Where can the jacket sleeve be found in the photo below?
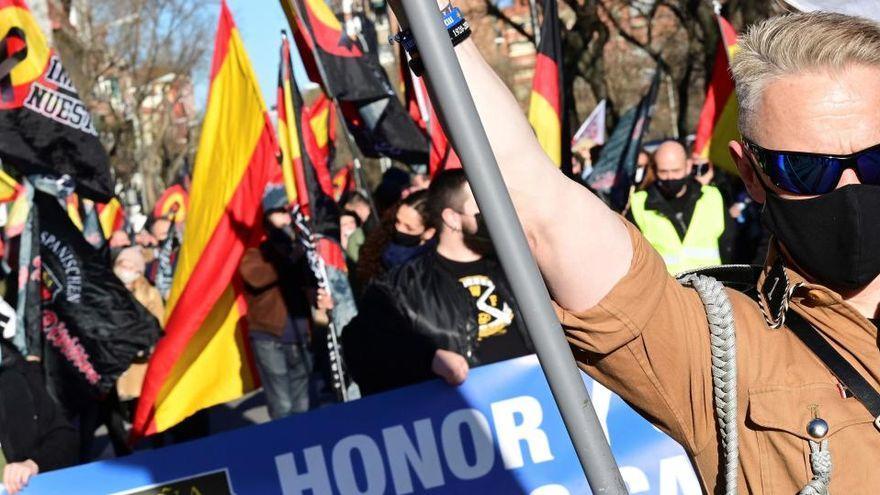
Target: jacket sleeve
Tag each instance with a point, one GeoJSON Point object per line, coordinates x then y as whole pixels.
{"type": "Point", "coordinates": [256, 271]}
{"type": "Point", "coordinates": [648, 341]}
{"type": "Point", "coordinates": [381, 349]}
{"type": "Point", "coordinates": [58, 444]}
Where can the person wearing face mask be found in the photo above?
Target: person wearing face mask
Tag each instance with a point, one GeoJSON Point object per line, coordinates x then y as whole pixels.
{"type": "Point", "coordinates": [441, 313]}
{"type": "Point", "coordinates": [412, 234]}
{"type": "Point", "coordinates": [684, 219]}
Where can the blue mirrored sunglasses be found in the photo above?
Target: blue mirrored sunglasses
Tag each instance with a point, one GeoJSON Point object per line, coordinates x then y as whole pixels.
{"type": "Point", "coordinates": [812, 173]}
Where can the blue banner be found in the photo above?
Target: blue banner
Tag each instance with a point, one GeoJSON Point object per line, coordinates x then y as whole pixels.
{"type": "Point", "coordinates": [500, 432]}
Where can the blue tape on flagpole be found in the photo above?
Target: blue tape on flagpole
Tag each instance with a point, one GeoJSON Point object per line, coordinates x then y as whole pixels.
{"type": "Point", "coordinates": [500, 432]}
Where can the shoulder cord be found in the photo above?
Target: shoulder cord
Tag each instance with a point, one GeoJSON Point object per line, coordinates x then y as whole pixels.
{"type": "Point", "coordinates": [722, 338]}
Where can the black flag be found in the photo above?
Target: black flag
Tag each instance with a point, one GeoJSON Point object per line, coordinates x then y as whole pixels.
{"type": "Point", "coordinates": [373, 113]}
{"type": "Point", "coordinates": [89, 316]}
{"type": "Point", "coordinates": [44, 126]}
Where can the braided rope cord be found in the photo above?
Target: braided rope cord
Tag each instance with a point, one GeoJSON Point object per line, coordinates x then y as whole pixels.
{"type": "Point", "coordinates": [722, 338]}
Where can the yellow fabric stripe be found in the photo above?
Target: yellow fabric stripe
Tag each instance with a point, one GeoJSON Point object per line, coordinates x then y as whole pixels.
{"type": "Point", "coordinates": [7, 187]}
{"type": "Point", "coordinates": [233, 124]}
{"type": "Point", "coordinates": [319, 125]}
{"type": "Point", "coordinates": [289, 142]}
{"type": "Point", "coordinates": [323, 13]}
{"type": "Point", "coordinates": [212, 370]}
{"type": "Point", "coordinates": [108, 216]}
{"type": "Point", "coordinates": [544, 120]}
{"type": "Point", "coordinates": [726, 130]}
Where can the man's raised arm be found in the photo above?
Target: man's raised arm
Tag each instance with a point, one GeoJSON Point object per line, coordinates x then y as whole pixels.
{"type": "Point", "coordinates": [581, 246]}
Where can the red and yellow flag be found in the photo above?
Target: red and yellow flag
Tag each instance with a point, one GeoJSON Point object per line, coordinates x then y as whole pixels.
{"type": "Point", "coordinates": [545, 106]}
{"type": "Point", "coordinates": [718, 119]}
{"type": "Point", "coordinates": [203, 358]}
{"type": "Point", "coordinates": [289, 139]}
{"type": "Point", "coordinates": [174, 200]}
{"type": "Point", "coordinates": [112, 217]}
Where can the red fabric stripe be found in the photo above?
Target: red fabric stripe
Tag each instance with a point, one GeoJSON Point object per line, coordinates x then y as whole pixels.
{"type": "Point", "coordinates": [330, 39]}
{"type": "Point", "coordinates": [221, 43]}
{"type": "Point", "coordinates": [721, 89]}
{"type": "Point", "coordinates": [331, 252]}
{"type": "Point", "coordinates": [238, 229]}
{"type": "Point", "coordinates": [320, 157]}
{"type": "Point", "coordinates": [546, 81]}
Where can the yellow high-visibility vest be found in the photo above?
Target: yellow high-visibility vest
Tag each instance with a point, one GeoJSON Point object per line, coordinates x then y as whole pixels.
{"type": "Point", "coordinates": [699, 248]}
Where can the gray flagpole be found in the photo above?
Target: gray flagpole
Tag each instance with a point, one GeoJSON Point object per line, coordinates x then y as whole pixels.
{"type": "Point", "coordinates": [466, 131]}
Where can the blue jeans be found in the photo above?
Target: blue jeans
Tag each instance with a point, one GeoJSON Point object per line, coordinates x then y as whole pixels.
{"type": "Point", "coordinates": [285, 370]}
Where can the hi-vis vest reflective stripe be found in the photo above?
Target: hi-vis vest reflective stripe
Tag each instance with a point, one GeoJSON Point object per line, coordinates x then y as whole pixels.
{"type": "Point", "coordinates": [700, 246]}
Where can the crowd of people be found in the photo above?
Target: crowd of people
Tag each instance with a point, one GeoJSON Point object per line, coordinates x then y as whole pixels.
{"type": "Point", "coordinates": [429, 299]}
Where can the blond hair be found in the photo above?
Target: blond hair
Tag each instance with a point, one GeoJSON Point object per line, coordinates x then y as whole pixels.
{"type": "Point", "coordinates": [797, 43]}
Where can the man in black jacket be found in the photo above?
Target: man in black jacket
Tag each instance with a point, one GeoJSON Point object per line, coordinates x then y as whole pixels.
{"type": "Point", "coordinates": [34, 435]}
{"type": "Point", "coordinates": [441, 313]}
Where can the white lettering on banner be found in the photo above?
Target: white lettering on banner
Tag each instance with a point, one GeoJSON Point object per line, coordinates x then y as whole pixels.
{"type": "Point", "coordinates": [601, 398]}
{"type": "Point", "coordinates": [635, 479]}
{"type": "Point", "coordinates": [343, 465]}
{"type": "Point", "coordinates": [676, 472]}
{"type": "Point", "coordinates": [315, 477]}
{"type": "Point", "coordinates": [453, 443]}
{"type": "Point", "coordinates": [550, 490]}
{"type": "Point", "coordinates": [510, 434]}
{"type": "Point", "coordinates": [468, 450]}
{"type": "Point", "coordinates": [402, 454]}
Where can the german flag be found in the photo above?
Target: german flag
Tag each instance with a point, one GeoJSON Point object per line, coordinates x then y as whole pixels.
{"type": "Point", "coordinates": [546, 105]}
{"type": "Point", "coordinates": [203, 358]}
{"type": "Point", "coordinates": [174, 200]}
{"type": "Point", "coordinates": [112, 217]}
{"type": "Point", "coordinates": [289, 133]}
{"type": "Point", "coordinates": [308, 184]}
{"type": "Point", "coordinates": [718, 119]}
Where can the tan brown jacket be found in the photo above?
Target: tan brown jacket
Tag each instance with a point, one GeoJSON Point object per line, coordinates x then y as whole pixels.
{"type": "Point", "coordinates": [648, 341]}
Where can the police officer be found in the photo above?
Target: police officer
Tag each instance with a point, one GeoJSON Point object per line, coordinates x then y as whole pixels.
{"type": "Point", "coordinates": [808, 87]}
{"type": "Point", "coordinates": [684, 220]}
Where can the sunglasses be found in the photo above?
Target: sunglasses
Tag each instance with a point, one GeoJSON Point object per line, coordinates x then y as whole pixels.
{"type": "Point", "coordinates": [814, 173]}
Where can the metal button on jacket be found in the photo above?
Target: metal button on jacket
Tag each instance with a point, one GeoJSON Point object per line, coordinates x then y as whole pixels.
{"type": "Point", "coordinates": [817, 428]}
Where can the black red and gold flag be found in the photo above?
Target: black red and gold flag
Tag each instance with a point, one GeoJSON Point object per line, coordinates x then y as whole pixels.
{"type": "Point", "coordinates": [546, 106]}
{"type": "Point", "coordinates": [45, 128]}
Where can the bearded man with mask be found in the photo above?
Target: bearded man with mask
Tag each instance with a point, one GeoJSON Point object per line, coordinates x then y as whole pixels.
{"type": "Point", "coordinates": [684, 220]}
{"type": "Point", "coordinates": [442, 312]}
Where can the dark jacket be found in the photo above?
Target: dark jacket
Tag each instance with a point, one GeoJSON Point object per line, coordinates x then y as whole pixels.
{"type": "Point", "coordinates": [405, 316]}
{"type": "Point", "coordinates": [32, 424]}
{"type": "Point", "coordinates": [271, 297]}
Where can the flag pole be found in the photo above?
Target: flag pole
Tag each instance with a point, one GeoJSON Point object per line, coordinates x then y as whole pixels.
{"type": "Point", "coordinates": [291, 11]}
{"type": "Point", "coordinates": [454, 101]}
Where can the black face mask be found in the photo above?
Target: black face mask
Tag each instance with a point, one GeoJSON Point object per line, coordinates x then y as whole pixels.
{"type": "Point", "coordinates": [669, 188]}
{"type": "Point", "coordinates": [834, 237]}
{"type": "Point", "coordinates": [406, 240]}
{"type": "Point", "coordinates": [479, 241]}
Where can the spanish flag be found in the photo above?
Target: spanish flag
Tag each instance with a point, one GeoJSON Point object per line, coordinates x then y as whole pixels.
{"type": "Point", "coordinates": [718, 119]}
{"type": "Point", "coordinates": [203, 358]}
{"type": "Point", "coordinates": [173, 201]}
{"type": "Point", "coordinates": [112, 217]}
{"type": "Point", "coordinates": [546, 105]}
